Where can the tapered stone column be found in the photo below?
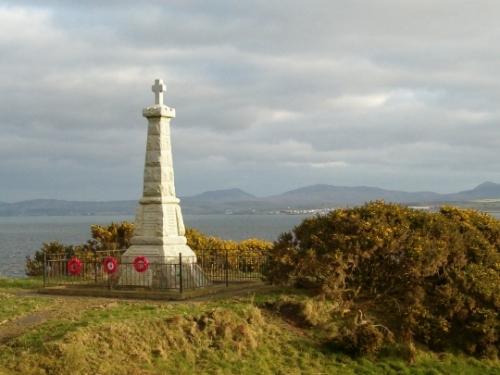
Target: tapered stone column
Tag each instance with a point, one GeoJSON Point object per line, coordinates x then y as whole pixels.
{"type": "Point", "coordinates": [159, 228]}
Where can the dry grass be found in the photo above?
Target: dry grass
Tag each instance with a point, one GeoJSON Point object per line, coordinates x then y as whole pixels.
{"type": "Point", "coordinates": [132, 345]}
{"type": "Point", "coordinates": [13, 306]}
{"type": "Point", "coordinates": [245, 336]}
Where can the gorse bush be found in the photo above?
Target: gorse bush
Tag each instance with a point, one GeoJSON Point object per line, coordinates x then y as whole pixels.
{"type": "Point", "coordinates": [117, 236]}
{"type": "Point", "coordinates": [435, 274]}
{"type": "Point", "coordinates": [111, 237]}
{"type": "Point", "coordinates": [114, 236]}
{"type": "Point", "coordinates": [200, 242]}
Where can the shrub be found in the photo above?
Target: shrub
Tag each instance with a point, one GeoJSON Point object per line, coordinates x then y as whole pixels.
{"type": "Point", "coordinates": [112, 237]}
{"type": "Point", "coordinates": [117, 236]}
{"type": "Point", "coordinates": [436, 273]}
{"type": "Point", "coordinates": [210, 245]}
{"type": "Point", "coordinates": [34, 267]}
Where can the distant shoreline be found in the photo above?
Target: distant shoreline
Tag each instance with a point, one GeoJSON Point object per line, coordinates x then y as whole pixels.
{"type": "Point", "coordinates": [288, 212]}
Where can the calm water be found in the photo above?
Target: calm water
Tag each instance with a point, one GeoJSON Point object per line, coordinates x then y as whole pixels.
{"type": "Point", "coordinates": [22, 236]}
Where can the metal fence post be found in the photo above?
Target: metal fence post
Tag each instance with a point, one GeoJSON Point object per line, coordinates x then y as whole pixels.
{"type": "Point", "coordinates": [95, 267]}
{"type": "Point", "coordinates": [226, 266]}
{"type": "Point", "coordinates": [44, 269]}
{"type": "Point", "coordinates": [202, 258]}
{"type": "Point", "coordinates": [180, 273]}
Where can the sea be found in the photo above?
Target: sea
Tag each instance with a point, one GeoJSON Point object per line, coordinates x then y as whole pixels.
{"type": "Point", "coordinates": [21, 236]}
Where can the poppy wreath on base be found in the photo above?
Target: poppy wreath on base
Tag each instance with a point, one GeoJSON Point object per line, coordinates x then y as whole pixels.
{"type": "Point", "coordinates": [141, 264]}
{"type": "Point", "coordinates": [110, 265]}
{"type": "Point", "coordinates": [74, 266]}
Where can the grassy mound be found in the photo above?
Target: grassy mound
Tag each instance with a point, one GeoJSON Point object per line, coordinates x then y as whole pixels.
{"type": "Point", "coordinates": [431, 278]}
{"type": "Point", "coordinates": [132, 345]}
{"type": "Point", "coordinates": [245, 335]}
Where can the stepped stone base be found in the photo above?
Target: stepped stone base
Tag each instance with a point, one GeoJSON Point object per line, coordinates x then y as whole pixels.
{"type": "Point", "coordinates": [164, 270]}
{"type": "Point", "coordinates": [130, 277]}
{"type": "Point", "coordinates": [164, 276]}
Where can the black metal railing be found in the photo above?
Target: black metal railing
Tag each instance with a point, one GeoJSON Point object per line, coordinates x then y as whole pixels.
{"type": "Point", "coordinates": [225, 266]}
{"type": "Point", "coordinates": [173, 273]}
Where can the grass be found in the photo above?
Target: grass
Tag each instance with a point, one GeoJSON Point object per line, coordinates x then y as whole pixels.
{"type": "Point", "coordinates": [224, 336]}
{"type": "Point", "coordinates": [12, 306]}
{"type": "Point", "coordinates": [21, 283]}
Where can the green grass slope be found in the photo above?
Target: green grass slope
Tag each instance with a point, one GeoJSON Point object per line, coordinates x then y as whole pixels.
{"type": "Point", "coordinates": [244, 335]}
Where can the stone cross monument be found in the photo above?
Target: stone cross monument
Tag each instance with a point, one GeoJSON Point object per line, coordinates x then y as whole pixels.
{"type": "Point", "coordinates": [159, 228]}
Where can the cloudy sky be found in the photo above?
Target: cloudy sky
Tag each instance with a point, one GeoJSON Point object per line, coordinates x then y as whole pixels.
{"type": "Point", "coordinates": [270, 95]}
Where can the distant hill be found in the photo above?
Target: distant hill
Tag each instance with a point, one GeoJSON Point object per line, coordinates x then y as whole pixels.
{"type": "Point", "coordinates": [239, 201]}
{"type": "Point", "coordinates": [228, 195]}
{"type": "Point", "coordinates": [219, 201]}
{"type": "Point", "coordinates": [327, 195]}
{"type": "Point", "coordinates": [486, 190]}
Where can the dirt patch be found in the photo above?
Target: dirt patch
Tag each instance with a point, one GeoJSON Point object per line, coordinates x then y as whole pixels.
{"type": "Point", "coordinates": [62, 307]}
{"type": "Point", "coordinates": [14, 328]}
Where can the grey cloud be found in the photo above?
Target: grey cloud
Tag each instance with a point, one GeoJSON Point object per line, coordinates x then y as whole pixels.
{"type": "Point", "coordinates": [389, 93]}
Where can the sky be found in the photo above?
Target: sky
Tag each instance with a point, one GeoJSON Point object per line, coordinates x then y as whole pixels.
{"type": "Point", "coordinates": [269, 95]}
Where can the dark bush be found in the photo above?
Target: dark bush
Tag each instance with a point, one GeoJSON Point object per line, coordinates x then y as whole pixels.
{"type": "Point", "coordinates": [111, 237]}
{"type": "Point", "coordinates": [435, 274]}
{"type": "Point", "coordinates": [34, 266]}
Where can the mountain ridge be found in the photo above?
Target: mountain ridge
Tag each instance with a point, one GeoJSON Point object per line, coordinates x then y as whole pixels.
{"type": "Point", "coordinates": [236, 200]}
{"type": "Point", "coordinates": [223, 195]}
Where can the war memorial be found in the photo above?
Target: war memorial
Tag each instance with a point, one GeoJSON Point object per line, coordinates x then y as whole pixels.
{"type": "Point", "coordinates": [159, 227]}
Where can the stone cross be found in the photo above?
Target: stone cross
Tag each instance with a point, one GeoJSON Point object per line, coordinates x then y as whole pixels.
{"type": "Point", "coordinates": [159, 88]}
